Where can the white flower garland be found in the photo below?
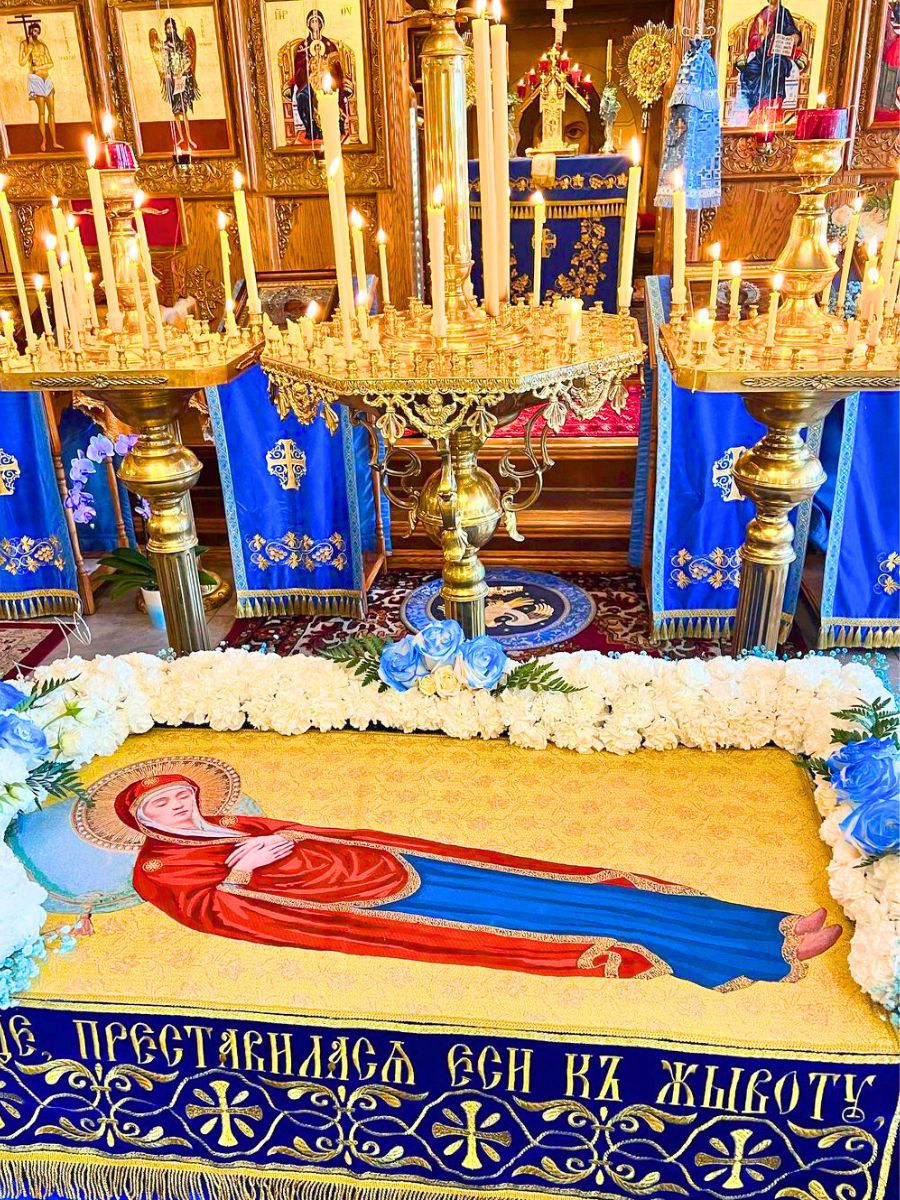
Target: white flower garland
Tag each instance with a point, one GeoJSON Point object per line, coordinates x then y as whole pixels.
{"type": "Point", "coordinates": [625, 703]}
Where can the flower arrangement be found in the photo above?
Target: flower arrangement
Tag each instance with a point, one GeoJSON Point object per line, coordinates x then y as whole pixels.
{"type": "Point", "coordinates": [440, 660]}
{"type": "Point", "coordinates": [32, 725]}
{"type": "Point", "coordinates": [100, 450]}
{"type": "Point", "coordinates": [617, 704]}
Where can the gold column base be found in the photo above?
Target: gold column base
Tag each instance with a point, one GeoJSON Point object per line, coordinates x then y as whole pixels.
{"type": "Point", "coordinates": [777, 474]}
{"type": "Point", "coordinates": [162, 470]}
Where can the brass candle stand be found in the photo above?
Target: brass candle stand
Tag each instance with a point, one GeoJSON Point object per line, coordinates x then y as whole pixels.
{"type": "Point", "coordinates": [457, 389]}
{"type": "Point", "coordinates": [815, 359]}
{"type": "Point", "coordinates": [147, 388]}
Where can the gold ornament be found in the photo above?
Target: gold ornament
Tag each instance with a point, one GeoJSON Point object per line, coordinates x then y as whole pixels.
{"type": "Point", "coordinates": [645, 60]}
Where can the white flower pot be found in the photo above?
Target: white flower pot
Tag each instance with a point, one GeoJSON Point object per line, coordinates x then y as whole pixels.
{"type": "Point", "coordinates": [153, 604]}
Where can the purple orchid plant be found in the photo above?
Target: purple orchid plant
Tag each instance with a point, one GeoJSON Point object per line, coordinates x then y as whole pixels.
{"type": "Point", "coordinates": [79, 501]}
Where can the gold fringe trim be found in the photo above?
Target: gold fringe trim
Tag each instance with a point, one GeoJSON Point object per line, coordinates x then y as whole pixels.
{"type": "Point", "coordinates": [26, 606]}
{"type": "Point", "coordinates": [563, 210]}
{"type": "Point", "coordinates": [40, 1177]}
{"type": "Point", "coordinates": [349, 604]}
{"type": "Point", "coordinates": [863, 636]}
{"type": "Point", "coordinates": [711, 628]}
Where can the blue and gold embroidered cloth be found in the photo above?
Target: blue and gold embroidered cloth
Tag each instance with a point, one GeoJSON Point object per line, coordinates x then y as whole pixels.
{"type": "Point", "coordinates": [37, 567]}
{"type": "Point", "coordinates": [585, 206]}
{"type": "Point", "coordinates": [696, 514]}
{"type": "Point", "coordinates": [292, 496]}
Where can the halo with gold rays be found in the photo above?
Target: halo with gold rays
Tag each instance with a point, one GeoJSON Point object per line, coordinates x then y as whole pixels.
{"type": "Point", "coordinates": [96, 821]}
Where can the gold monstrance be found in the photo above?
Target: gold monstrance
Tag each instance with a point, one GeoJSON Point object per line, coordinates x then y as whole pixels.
{"type": "Point", "coordinates": [790, 365]}
{"type": "Point", "coordinates": [454, 371]}
{"type": "Point", "coordinates": [145, 371]}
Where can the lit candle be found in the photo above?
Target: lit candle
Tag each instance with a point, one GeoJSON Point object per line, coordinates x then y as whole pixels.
{"type": "Point", "coordinates": [230, 323]}
{"type": "Point", "coordinates": [147, 266]}
{"type": "Point", "coordinates": [540, 216]}
{"type": "Point", "coordinates": [68, 285]}
{"type": "Point", "coordinates": [59, 220]}
{"type": "Point", "coordinates": [42, 303]}
{"type": "Point", "coordinates": [701, 327]}
{"type": "Point", "coordinates": [362, 315]}
{"type": "Point", "coordinates": [381, 239]}
{"type": "Point", "coordinates": [357, 224]}
{"type": "Point", "coordinates": [573, 321]}
{"type": "Point", "coordinates": [7, 328]}
{"type": "Point", "coordinates": [340, 233]}
{"type": "Point", "coordinates": [849, 247]}
{"type": "Point", "coordinates": [679, 239]}
{"type": "Point", "coordinates": [56, 291]}
{"type": "Point", "coordinates": [734, 293]}
{"type": "Point", "coordinates": [893, 287]}
{"type": "Point", "coordinates": [436, 250]}
{"type": "Point", "coordinates": [134, 255]}
{"type": "Point", "coordinates": [889, 245]}
{"type": "Point", "coordinates": [500, 92]}
{"type": "Point", "coordinates": [609, 48]}
{"type": "Point", "coordinates": [871, 298]}
{"type": "Point", "coordinates": [873, 331]}
{"type": "Point", "coordinates": [98, 209]}
{"type": "Point", "coordinates": [12, 249]}
{"type": "Point", "coordinates": [481, 53]}
{"type": "Point", "coordinates": [774, 298]}
{"type": "Point", "coordinates": [308, 324]}
{"type": "Point", "coordinates": [871, 257]}
{"type": "Point", "coordinates": [715, 252]}
{"type": "Point", "coordinates": [91, 302]}
{"type": "Point", "coordinates": [73, 242]}
{"type": "Point", "coordinates": [629, 227]}
{"type": "Point", "coordinates": [243, 225]}
{"type": "Point", "coordinates": [225, 251]}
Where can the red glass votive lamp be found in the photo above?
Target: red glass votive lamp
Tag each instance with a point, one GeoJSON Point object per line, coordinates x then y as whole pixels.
{"type": "Point", "coordinates": [521, 89]}
{"type": "Point", "coordinates": [532, 76]}
{"type": "Point", "coordinates": [544, 66]}
{"type": "Point", "coordinates": [587, 84]}
{"type": "Point", "coordinates": [564, 61]}
{"type": "Point", "coordinates": [575, 74]}
{"type": "Point", "coordinates": [116, 156]}
{"type": "Point", "coordinates": [818, 124]}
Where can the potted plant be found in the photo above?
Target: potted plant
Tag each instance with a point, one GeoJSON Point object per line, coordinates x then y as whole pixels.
{"type": "Point", "coordinates": [130, 570]}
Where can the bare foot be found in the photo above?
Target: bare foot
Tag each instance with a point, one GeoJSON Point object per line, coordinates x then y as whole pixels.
{"type": "Point", "coordinates": [813, 944]}
{"type": "Point", "coordinates": [812, 922]}
{"type": "Point", "coordinates": [58, 146]}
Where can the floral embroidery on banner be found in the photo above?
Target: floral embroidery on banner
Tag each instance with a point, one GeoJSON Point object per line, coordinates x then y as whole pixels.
{"type": "Point", "coordinates": [888, 581]}
{"type": "Point", "coordinates": [719, 568]}
{"type": "Point", "coordinates": [298, 550]}
{"type": "Point", "coordinates": [30, 554]}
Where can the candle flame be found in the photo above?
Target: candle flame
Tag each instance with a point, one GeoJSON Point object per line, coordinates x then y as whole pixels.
{"type": "Point", "coordinates": [327, 82]}
{"type": "Point", "coordinates": [677, 179]}
{"type": "Point", "coordinates": [703, 315]}
{"type": "Point", "coordinates": [4, 315]}
{"type": "Point", "coordinates": [90, 147]}
{"type": "Point", "coordinates": [736, 269]}
{"type": "Point", "coordinates": [313, 310]}
{"type": "Point", "coordinates": [873, 274]}
{"type": "Point", "coordinates": [71, 223]}
{"type": "Point", "coordinates": [54, 200]}
{"type": "Point", "coordinates": [107, 125]}
{"type": "Point", "coordinates": [834, 247]}
{"type": "Point", "coordinates": [89, 277]}
{"type": "Point", "coordinates": [139, 198]}
{"type": "Point", "coordinates": [237, 180]}
{"type": "Point", "coordinates": [63, 258]}
{"type": "Point", "coordinates": [229, 305]}
{"type": "Point", "coordinates": [334, 167]}
{"type": "Point", "coordinates": [381, 237]}
{"type": "Point", "coordinates": [4, 179]}
{"type": "Point", "coordinates": [480, 7]}
{"type": "Point", "coordinates": [715, 251]}
{"type": "Point", "coordinates": [822, 99]}
{"type": "Point", "coordinates": [222, 220]}
{"type": "Point", "coordinates": [857, 204]}
{"type": "Point", "coordinates": [777, 281]}
{"type": "Point", "coordinates": [537, 198]}
{"type": "Point", "coordinates": [872, 247]}
{"type": "Point", "coordinates": [437, 197]}
{"type": "Point", "coordinates": [634, 151]}
{"type": "Point", "coordinates": [49, 242]}
{"type": "Point", "coordinates": [356, 219]}
{"type": "Point", "coordinates": [133, 251]}
{"type": "Point", "coordinates": [38, 283]}
{"type": "Point", "coordinates": [362, 299]}
{"type": "Point", "coordinates": [497, 11]}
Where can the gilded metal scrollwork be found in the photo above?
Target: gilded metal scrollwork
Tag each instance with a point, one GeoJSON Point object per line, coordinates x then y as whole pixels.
{"type": "Point", "coordinates": [534, 473]}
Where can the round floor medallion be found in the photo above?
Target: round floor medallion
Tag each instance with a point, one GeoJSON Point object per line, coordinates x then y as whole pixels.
{"type": "Point", "coordinates": [526, 610]}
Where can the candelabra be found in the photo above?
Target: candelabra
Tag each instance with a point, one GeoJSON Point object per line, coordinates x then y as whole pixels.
{"type": "Point", "coordinates": [454, 371]}
{"type": "Point", "coordinates": [144, 371]}
{"type": "Point", "coordinates": [790, 364]}
{"type": "Point", "coordinates": [554, 79]}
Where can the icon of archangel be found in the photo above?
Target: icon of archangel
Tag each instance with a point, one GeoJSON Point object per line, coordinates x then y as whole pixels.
{"type": "Point", "coordinates": [200, 852]}
{"type": "Point", "coordinates": [176, 61]}
{"type": "Point", "coordinates": [304, 65]}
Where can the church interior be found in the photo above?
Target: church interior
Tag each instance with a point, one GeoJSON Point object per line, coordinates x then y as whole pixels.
{"type": "Point", "coordinates": [449, 599]}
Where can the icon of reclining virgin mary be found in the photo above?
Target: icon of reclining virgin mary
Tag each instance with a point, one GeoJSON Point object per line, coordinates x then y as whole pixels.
{"type": "Point", "coordinates": [277, 882]}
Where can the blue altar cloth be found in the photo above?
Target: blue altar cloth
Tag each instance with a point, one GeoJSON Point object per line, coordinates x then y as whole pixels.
{"type": "Point", "coordinates": [697, 515]}
{"type": "Point", "coordinates": [585, 206]}
{"type": "Point", "coordinates": [37, 567]}
{"type": "Point", "coordinates": [298, 504]}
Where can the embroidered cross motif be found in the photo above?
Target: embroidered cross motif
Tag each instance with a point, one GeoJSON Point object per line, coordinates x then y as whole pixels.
{"type": "Point", "coordinates": [9, 473]}
{"type": "Point", "coordinates": [723, 473]}
{"type": "Point", "coordinates": [287, 462]}
{"type": "Point", "coordinates": [219, 1110]}
{"type": "Point", "coordinates": [734, 1164]}
{"type": "Point", "coordinates": [466, 1133]}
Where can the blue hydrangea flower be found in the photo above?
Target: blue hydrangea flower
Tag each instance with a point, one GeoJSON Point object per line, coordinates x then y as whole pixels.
{"type": "Point", "coordinates": [10, 696]}
{"type": "Point", "coordinates": [402, 664]}
{"type": "Point", "coordinates": [23, 737]}
{"type": "Point", "coordinates": [483, 662]}
{"type": "Point", "coordinates": [440, 642]}
{"type": "Point", "coordinates": [866, 770]}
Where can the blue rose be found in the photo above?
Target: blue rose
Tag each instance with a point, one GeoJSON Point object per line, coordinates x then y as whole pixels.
{"type": "Point", "coordinates": [10, 696]}
{"type": "Point", "coordinates": [866, 770]}
{"type": "Point", "coordinates": [874, 825]}
{"type": "Point", "coordinates": [483, 662]}
{"type": "Point", "coordinates": [440, 642]}
{"type": "Point", "coordinates": [23, 737]}
{"type": "Point", "coordinates": [402, 664]}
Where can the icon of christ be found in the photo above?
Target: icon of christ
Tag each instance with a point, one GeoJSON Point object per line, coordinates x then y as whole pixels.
{"type": "Point", "coordinates": [363, 892]}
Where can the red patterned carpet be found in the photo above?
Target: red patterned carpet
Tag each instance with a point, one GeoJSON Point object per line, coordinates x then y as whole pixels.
{"type": "Point", "coordinates": [24, 644]}
{"type": "Point", "coordinates": [621, 622]}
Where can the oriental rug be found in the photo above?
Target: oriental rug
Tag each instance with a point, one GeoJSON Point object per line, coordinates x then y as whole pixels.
{"type": "Point", "coordinates": [620, 622]}
{"type": "Point", "coordinates": [23, 645]}
{"type": "Point", "coordinates": [464, 968]}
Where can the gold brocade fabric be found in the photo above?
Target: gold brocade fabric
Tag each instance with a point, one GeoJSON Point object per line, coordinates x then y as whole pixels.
{"type": "Point", "coordinates": [739, 825]}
